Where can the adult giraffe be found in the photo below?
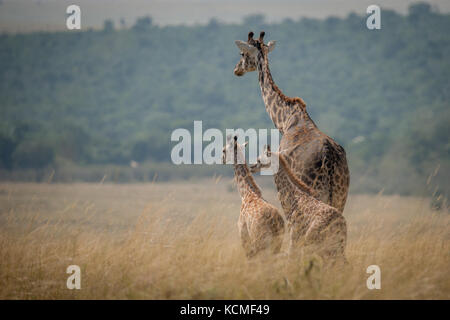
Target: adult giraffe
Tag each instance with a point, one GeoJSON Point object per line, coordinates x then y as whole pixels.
{"type": "Point", "coordinates": [313, 156]}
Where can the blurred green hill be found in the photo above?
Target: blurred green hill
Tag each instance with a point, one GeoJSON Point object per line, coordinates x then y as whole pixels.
{"type": "Point", "coordinates": [103, 98]}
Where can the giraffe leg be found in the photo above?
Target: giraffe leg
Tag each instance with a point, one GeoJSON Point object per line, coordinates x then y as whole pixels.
{"type": "Point", "coordinates": [245, 239]}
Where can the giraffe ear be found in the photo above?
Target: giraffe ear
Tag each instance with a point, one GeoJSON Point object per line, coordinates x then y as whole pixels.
{"type": "Point", "coordinates": [245, 47]}
{"type": "Point", "coordinates": [271, 45]}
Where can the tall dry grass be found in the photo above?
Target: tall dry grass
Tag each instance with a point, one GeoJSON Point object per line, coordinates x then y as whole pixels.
{"type": "Point", "coordinates": [180, 241]}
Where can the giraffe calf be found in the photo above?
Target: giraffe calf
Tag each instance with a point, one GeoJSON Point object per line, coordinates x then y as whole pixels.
{"type": "Point", "coordinates": [261, 227]}
{"type": "Point", "coordinates": [313, 225]}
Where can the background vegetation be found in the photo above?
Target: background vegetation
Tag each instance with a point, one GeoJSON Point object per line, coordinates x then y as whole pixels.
{"type": "Point", "coordinates": [82, 105]}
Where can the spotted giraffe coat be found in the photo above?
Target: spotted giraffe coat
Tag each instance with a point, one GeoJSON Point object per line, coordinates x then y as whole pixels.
{"type": "Point", "coordinates": [312, 224]}
{"type": "Point", "coordinates": [260, 225]}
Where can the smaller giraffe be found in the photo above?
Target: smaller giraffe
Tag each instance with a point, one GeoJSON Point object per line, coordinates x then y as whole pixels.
{"type": "Point", "coordinates": [312, 224]}
{"type": "Point", "coordinates": [261, 226]}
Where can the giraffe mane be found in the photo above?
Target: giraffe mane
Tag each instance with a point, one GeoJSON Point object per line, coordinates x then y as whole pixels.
{"type": "Point", "coordinates": [289, 100]}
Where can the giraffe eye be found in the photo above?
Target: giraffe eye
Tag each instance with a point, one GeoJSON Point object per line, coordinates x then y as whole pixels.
{"type": "Point", "coordinates": [242, 54]}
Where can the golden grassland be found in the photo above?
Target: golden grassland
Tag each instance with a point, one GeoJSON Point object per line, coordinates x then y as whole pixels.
{"type": "Point", "coordinates": [180, 241]}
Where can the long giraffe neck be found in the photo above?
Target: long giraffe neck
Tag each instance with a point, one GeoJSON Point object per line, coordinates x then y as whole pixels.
{"type": "Point", "coordinates": [288, 184]}
{"type": "Point", "coordinates": [279, 107]}
{"type": "Point", "coordinates": [246, 185]}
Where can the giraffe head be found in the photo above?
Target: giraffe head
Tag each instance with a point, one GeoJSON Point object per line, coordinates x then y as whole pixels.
{"type": "Point", "coordinates": [249, 53]}
{"type": "Point", "coordinates": [233, 151]}
{"type": "Point", "coordinates": [264, 160]}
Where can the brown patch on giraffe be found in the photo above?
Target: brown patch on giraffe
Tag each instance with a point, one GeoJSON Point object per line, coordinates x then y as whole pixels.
{"type": "Point", "coordinates": [299, 183]}
{"type": "Point", "coordinates": [271, 98]}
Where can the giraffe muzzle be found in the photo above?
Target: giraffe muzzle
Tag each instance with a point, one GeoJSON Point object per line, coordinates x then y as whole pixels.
{"type": "Point", "coordinates": [254, 168]}
{"type": "Point", "coordinates": [238, 72]}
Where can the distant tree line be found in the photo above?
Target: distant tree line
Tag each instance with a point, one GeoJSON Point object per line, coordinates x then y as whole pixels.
{"type": "Point", "coordinates": [115, 95]}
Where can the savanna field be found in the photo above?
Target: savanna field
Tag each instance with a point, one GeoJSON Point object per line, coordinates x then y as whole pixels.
{"type": "Point", "coordinates": [179, 240]}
